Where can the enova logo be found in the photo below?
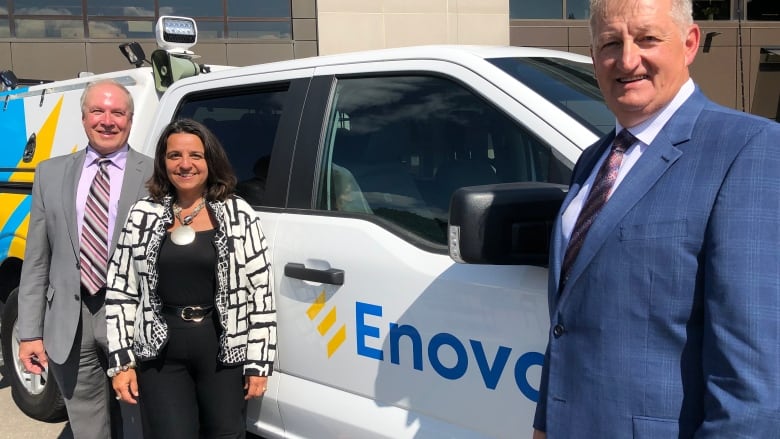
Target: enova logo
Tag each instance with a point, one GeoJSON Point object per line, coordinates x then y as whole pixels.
{"type": "Point", "coordinates": [326, 323]}
{"type": "Point", "coordinates": [470, 354]}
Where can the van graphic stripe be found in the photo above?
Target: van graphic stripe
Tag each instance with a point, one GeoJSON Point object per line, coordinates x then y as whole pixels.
{"type": "Point", "coordinates": [317, 306]}
{"type": "Point", "coordinates": [337, 340]}
{"type": "Point", "coordinates": [12, 225]}
{"type": "Point", "coordinates": [327, 322]}
{"type": "Point", "coordinates": [14, 128]}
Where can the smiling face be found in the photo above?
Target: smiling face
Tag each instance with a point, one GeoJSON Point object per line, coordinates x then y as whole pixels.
{"type": "Point", "coordinates": [641, 56]}
{"type": "Point", "coordinates": [185, 164]}
{"type": "Point", "coordinates": [107, 118]}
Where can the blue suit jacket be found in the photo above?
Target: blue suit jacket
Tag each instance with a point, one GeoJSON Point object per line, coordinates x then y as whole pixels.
{"type": "Point", "coordinates": [669, 325]}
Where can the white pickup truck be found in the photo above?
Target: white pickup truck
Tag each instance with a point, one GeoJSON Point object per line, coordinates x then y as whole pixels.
{"type": "Point", "coordinates": [406, 308]}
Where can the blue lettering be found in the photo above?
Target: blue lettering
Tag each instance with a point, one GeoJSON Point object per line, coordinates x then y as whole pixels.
{"type": "Point", "coordinates": [491, 371]}
{"type": "Point", "coordinates": [490, 375]}
{"type": "Point", "coordinates": [396, 332]}
{"type": "Point", "coordinates": [451, 373]}
{"type": "Point", "coordinates": [362, 330]}
{"type": "Point", "coordinates": [524, 363]}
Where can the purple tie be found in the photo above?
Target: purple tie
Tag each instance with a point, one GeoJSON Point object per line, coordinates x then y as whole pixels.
{"type": "Point", "coordinates": [94, 232]}
{"type": "Point", "coordinates": [599, 194]}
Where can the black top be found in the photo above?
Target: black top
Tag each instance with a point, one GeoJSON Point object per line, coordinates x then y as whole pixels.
{"type": "Point", "coordinates": [187, 273]}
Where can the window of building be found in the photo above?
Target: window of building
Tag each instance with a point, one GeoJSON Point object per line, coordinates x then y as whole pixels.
{"type": "Point", "coordinates": [712, 9]}
{"type": "Point", "coordinates": [192, 8]}
{"type": "Point", "coordinates": [267, 19]}
{"type": "Point", "coordinates": [763, 10]}
{"type": "Point", "coordinates": [577, 9]}
{"type": "Point", "coordinates": [65, 29]}
{"type": "Point", "coordinates": [536, 9]}
{"type": "Point", "coordinates": [276, 30]}
{"type": "Point", "coordinates": [47, 7]}
{"type": "Point", "coordinates": [133, 8]}
{"type": "Point", "coordinates": [265, 8]}
{"type": "Point", "coordinates": [397, 147]}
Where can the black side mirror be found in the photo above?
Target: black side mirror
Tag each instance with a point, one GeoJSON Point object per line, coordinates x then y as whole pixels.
{"type": "Point", "coordinates": [10, 81]}
{"type": "Point", "coordinates": [504, 224]}
{"type": "Point", "coordinates": [134, 53]}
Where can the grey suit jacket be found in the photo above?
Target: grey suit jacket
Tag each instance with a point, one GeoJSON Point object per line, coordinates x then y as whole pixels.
{"type": "Point", "coordinates": [49, 291]}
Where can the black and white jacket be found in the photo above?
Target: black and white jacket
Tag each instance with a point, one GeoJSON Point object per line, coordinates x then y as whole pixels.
{"type": "Point", "coordinates": [136, 329]}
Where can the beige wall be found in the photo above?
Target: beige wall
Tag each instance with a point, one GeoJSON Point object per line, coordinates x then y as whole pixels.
{"type": "Point", "coordinates": [350, 25]}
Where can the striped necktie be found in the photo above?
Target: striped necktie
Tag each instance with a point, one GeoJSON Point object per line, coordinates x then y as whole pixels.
{"type": "Point", "coordinates": [599, 194]}
{"type": "Point", "coordinates": [94, 232]}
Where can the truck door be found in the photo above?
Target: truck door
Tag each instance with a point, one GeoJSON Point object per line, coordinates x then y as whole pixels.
{"type": "Point", "coordinates": [380, 333]}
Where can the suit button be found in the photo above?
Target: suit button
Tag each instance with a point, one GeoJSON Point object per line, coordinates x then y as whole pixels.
{"type": "Point", "coordinates": [77, 297]}
{"type": "Point", "coordinates": [558, 330]}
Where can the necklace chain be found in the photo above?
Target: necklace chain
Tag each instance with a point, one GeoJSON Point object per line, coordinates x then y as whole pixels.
{"type": "Point", "coordinates": [188, 219]}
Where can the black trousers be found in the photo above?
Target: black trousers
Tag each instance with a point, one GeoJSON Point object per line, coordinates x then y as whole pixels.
{"type": "Point", "coordinates": [185, 393]}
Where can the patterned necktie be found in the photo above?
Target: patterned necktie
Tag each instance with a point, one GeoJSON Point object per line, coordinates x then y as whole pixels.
{"type": "Point", "coordinates": [94, 232]}
{"type": "Point", "coordinates": [599, 194]}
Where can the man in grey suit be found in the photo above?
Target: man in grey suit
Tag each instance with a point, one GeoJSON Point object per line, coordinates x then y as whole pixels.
{"type": "Point", "coordinates": [62, 322]}
{"type": "Point", "coordinates": [664, 286]}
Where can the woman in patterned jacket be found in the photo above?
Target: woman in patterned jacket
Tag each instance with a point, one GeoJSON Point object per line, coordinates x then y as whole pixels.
{"type": "Point", "coordinates": [190, 314]}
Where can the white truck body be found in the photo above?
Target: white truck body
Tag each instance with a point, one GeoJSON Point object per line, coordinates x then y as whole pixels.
{"type": "Point", "coordinates": [406, 343]}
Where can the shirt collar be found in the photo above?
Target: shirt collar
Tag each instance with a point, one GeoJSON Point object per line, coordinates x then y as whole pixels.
{"type": "Point", "coordinates": [647, 131]}
{"type": "Point", "coordinates": [118, 158]}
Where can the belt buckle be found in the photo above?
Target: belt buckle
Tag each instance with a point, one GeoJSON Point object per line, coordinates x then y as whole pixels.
{"type": "Point", "coordinates": [187, 311]}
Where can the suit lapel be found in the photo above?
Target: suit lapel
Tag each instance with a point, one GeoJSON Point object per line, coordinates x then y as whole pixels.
{"type": "Point", "coordinates": [651, 166]}
{"type": "Point", "coordinates": [581, 173]}
{"type": "Point", "coordinates": [132, 184]}
{"type": "Point", "coordinates": [71, 176]}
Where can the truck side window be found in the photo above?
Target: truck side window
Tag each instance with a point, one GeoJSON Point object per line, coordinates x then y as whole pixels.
{"type": "Point", "coordinates": [245, 121]}
{"type": "Point", "coordinates": [397, 147]}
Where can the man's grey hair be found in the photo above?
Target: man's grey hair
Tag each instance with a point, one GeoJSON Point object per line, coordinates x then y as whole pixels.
{"type": "Point", "coordinates": [91, 85]}
{"type": "Point", "coordinates": [681, 13]}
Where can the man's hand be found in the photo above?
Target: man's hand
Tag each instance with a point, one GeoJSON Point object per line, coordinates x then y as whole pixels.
{"type": "Point", "coordinates": [254, 386]}
{"type": "Point", "coordinates": [125, 386]}
{"type": "Point", "coordinates": [33, 356]}
{"type": "Point", "coordinates": [539, 435]}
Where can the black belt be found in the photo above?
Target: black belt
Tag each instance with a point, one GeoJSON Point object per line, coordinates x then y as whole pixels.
{"type": "Point", "coordinates": [189, 313]}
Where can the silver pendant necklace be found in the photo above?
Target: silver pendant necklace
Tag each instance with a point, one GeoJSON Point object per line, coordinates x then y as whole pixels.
{"type": "Point", "coordinates": [185, 234]}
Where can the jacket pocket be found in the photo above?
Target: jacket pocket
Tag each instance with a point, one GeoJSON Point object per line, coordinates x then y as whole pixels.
{"type": "Point", "coordinates": [655, 428]}
{"type": "Point", "coordinates": [665, 229]}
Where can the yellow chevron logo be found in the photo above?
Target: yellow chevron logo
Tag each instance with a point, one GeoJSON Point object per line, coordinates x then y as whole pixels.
{"type": "Point", "coordinates": [326, 323]}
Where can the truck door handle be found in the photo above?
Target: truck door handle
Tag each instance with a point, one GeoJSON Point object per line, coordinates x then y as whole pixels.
{"type": "Point", "coordinates": [332, 276]}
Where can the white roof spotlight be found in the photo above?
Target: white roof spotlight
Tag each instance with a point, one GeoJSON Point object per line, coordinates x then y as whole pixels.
{"type": "Point", "coordinates": [176, 34]}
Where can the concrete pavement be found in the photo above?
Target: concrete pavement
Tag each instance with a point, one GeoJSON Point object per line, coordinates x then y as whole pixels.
{"type": "Point", "coordinates": [16, 425]}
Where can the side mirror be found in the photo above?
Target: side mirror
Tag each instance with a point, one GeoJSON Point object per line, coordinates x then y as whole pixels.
{"type": "Point", "coordinates": [134, 53]}
{"type": "Point", "coordinates": [9, 79]}
{"type": "Point", "coordinates": [170, 67]}
{"type": "Point", "coordinates": [503, 224]}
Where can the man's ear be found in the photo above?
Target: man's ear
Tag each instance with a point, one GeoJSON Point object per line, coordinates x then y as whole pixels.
{"type": "Point", "coordinates": [692, 39]}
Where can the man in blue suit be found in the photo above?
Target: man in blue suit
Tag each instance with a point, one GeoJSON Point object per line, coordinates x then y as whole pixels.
{"type": "Point", "coordinates": [665, 262]}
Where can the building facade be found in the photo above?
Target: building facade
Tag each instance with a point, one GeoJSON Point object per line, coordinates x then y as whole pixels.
{"type": "Point", "coordinates": [738, 64]}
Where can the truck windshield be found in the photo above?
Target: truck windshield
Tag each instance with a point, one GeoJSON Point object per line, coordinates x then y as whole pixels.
{"type": "Point", "coordinates": [569, 85]}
